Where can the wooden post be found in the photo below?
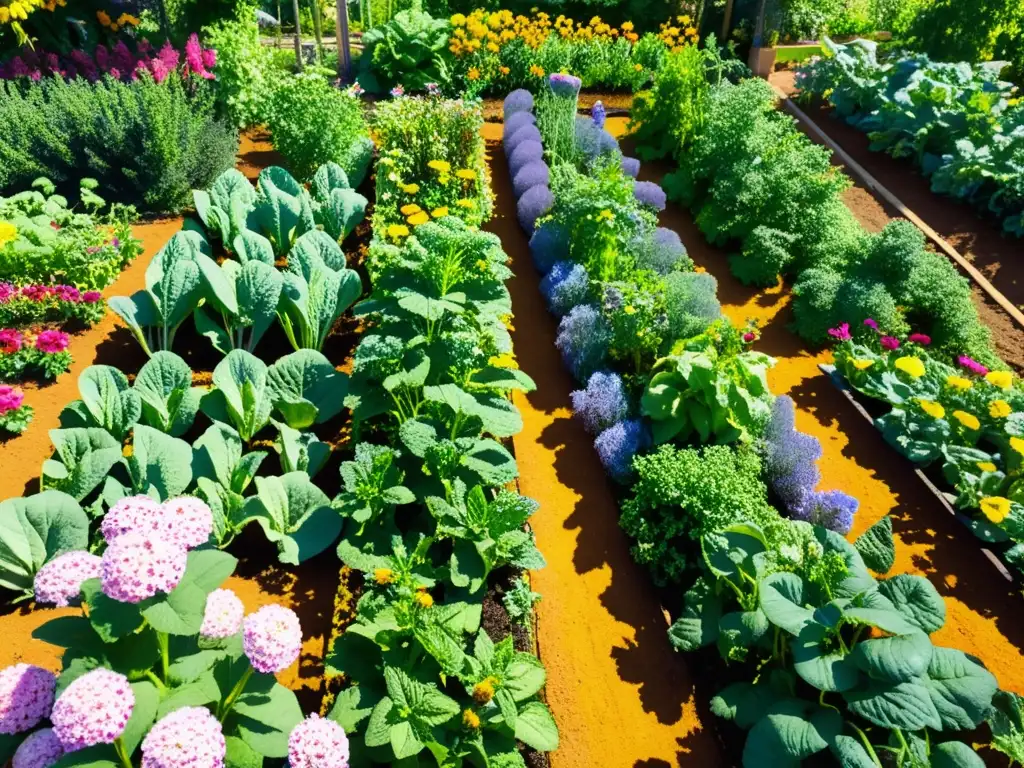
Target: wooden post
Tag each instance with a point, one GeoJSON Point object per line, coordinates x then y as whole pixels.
{"type": "Point", "coordinates": [315, 8]}
{"type": "Point", "coordinates": [344, 48]}
{"type": "Point", "coordinates": [726, 23]}
{"type": "Point", "coordinates": [299, 64]}
{"type": "Point", "coordinates": [279, 34]}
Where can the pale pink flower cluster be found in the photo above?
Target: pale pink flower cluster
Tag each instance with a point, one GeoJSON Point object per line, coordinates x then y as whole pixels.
{"type": "Point", "coordinates": [26, 696]}
{"type": "Point", "coordinates": [41, 749]}
{"type": "Point", "coordinates": [137, 566]}
{"type": "Point", "coordinates": [60, 580]}
{"type": "Point", "coordinates": [94, 709]}
{"type": "Point", "coordinates": [184, 521]}
{"type": "Point", "coordinates": [189, 737]}
{"type": "Point", "coordinates": [223, 615]}
{"type": "Point", "coordinates": [317, 743]}
{"type": "Point", "coordinates": [272, 638]}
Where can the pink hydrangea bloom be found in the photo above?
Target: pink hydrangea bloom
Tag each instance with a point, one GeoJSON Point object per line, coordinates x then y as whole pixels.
{"type": "Point", "coordinates": [132, 513]}
{"type": "Point", "coordinates": [136, 567]}
{"type": "Point", "coordinates": [189, 520]}
{"type": "Point", "coordinates": [11, 398]}
{"type": "Point", "coordinates": [890, 343]}
{"type": "Point", "coordinates": [317, 743]}
{"type": "Point", "coordinates": [94, 709]}
{"type": "Point", "coordinates": [26, 697]}
{"type": "Point", "coordinates": [91, 297]}
{"type": "Point", "coordinates": [10, 340]}
{"type": "Point", "coordinates": [223, 615]}
{"type": "Point", "coordinates": [272, 638]}
{"type": "Point", "coordinates": [972, 365]}
{"type": "Point", "coordinates": [871, 324]}
{"type": "Point", "coordinates": [920, 338]}
{"type": "Point", "coordinates": [842, 333]}
{"type": "Point", "coordinates": [52, 342]}
{"type": "Point", "coordinates": [189, 737]}
{"type": "Point", "coordinates": [60, 580]}
{"type": "Point", "coordinates": [41, 749]}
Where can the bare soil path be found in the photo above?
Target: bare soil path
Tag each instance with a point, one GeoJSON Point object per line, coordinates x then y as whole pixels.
{"type": "Point", "coordinates": [621, 696]}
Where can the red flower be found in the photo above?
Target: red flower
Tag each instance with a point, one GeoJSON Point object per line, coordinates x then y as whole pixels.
{"type": "Point", "coordinates": [52, 342]}
{"type": "Point", "coordinates": [10, 341]}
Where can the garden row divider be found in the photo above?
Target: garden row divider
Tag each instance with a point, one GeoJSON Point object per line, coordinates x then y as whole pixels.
{"type": "Point", "coordinates": [878, 188]}
{"type": "Point", "coordinates": [940, 497]}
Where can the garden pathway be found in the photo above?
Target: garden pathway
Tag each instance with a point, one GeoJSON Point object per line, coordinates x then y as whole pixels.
{"type": "Point", "coordinates": [982, 610]}
{"type": "Point", "coordinates": [621, 696]}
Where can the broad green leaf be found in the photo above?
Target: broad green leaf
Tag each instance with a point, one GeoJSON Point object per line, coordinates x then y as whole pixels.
{"type": "Point", "coordinates": [111, 619]}
{"type": "Point", "coordinates": [960, 689]}
{"type": "Point", "coordinates": [34, 530]}
{"type": "Point", "coordinates": [916, 600]}
{"type": "Point", "coordinates": [876, 546]}
{"type": "Point", "coordinates": [955, 754]}
{"type": "Point", "coordinates": [86, 457]}
{"type": "Point", "coordinates": [820, 663]}
{"type": "Point", "coordinates": [894, 705]}
{"type": "Point", "coordinates": [306, 389]}
{"type": "Point", "coordinates": [894, 659]}
{"type": "Point", "coordinates": [536, 728]}
{"type": "Point", "coordinates": [265, 719]}
{"type": "Point", "coordinates": [159, 464]}
{"type": "Point", "coordinates": [786, 736]}
{"type": "Point", "coordinates": [782, 597]}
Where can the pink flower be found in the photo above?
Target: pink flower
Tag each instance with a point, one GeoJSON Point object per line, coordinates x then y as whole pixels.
{"type": "Point", "coordinates": [52, 342]}
{"type": "Point", "coordinates": [189, 521]}
{"type": "Point", "coordinates": [26, 696]}
{"type": "Point", "coordinates": [223, 615]}
{"type": "Point", "coordinates": [41, 749]}
{"type": "Point", "coordinates": [397, 91]}
{"type": "Point", "coordinates": [209, 58]}
{"type": "Point", "coordinates": [135, 567]}
{"type": "Point", "coordinates": [890, 343]}
{"type": "Point", "coordinates": [272, 638]}
{"type": "Point", "coordinates": [123, 58]}
{"type": "Point", "coordinates": [317, 743]}
{"type": "Point", "coordinates": [185, 522]}
{"type": "Point", "coordinates": [920, 338]}
{"type": "Point", "coordinates": [91, 297]}
{"type": "Point", "coordinates": [60, 580]}
{"type": "Point", "coordinates": [842, 333]}
{"type": "Point", "coordinates": [11, 398]}
{"type": "Point", "coordinates": [871, 324]}
{"type": "Point", "coordinates": [972, 365]}
{"type": "Point", "coordinates": [159, 69]}
{"type": "Point", "coordinates": [115, 73]}
{"type": "Point", "coordinates": [94, 709]}
{"type": "Point", "coordinates": [190, 736]}
{"type": "Point", "coordinates": [132, 513]}
{"type": "Point", "coordinates": [169, 57]}
{"type": "Point", "coordinates": [68, 293]}
{"type": "Point", "coordinates": [10, 341]}
{"type": "Point", "coordinates": [35, 292]}
{"type": "Point", "coordinates": [748, 337]}
{"type": "Point", "coordinates": [7, 292]}
{"type": "Point", "coordinates": [102, 56]}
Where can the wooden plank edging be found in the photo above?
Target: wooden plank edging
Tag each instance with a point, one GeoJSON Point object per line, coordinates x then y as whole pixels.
{"type": "Point", "coordinates": [877, 187]}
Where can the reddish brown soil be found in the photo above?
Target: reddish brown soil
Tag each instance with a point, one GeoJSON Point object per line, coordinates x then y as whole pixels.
{"type": "Point", "coordinates": [982, 609]}
{"type": "Point", "coordinates": [310, 589]}
{"type": "Point", "coordinates": [981, 240]}
{"type": "Point", "coordinates": [620, 694]}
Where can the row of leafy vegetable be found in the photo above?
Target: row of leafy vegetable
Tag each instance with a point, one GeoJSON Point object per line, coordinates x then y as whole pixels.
{"type": "Point", "coordinates": [958, 121]}
{"type": "Point", "coordinates": [828, 656]}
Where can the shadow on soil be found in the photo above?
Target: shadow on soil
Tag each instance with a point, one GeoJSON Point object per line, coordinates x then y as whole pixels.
{"type": "Point", "coordinates": [649, 661]}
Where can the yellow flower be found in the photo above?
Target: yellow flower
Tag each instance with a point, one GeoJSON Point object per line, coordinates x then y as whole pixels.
{"type": "Point", "coordinates": [627, 26]}
{"type": "Point", "coordinates": [933, 409]}
{"type": "Point", "coordinates": [440, 166]}
{"type": "Point", "coordinates": [424, 600]}
{"type": "Point", "coordinates": [464, 203]}
{"type": "Point", "coordinates": [536, 71]}
{"type": "Point", "coordinates": [420, 217]}
{"type": "Point", "coordinates": [471, 719]}
{"type": "Point", "coordinates": [638, 67]}
{"type": "Point", "coordinates": [1001, 379]}
{"type": "Point", "coordinates": [605, 214]}
{"type": "Point", "coordinates": [504, 70]}
{"type": "Point", "coordinates": [958, 382]}
{"type": "Point", "coordinates": [474, 73]}
{"type": "Point", "coordinates": [102, 16]}
{"type": "Point", "coordinates": [438, 213]}
{"type": "Point", "coordinates": [396, 231]}
{"type": "Point", "coordinates": [691, 31]}
{"type": "Point", "coordinates": [384, 576]}
{"type": "Point", "coordinates": [999, 409]}
{"type": "Point", "coordinates": [861, 364]}
{"type": "Point", "coordinates": [969, 420]}
{"type": "Point", "coordinates": [484, 690]}
{"type": "Point", "coordinates": [630, 309]}
{"type": "Point", "coordinates": [466, 173]}
{"type": "Point", "coordinates": [410, 189]}
{"type": "Point", "coordinates": [987, 466]}
{"type": "Point", "coordinates": [912, 366]}
{"type": "Point", "coordinates": [8, 233]}
{"type": "Point", "coordinates": [493, 47]}
{"type": "Point", "coordinates": [995, 508]}
{"type": "Point", "coordinates": [1017, 444]}
{"type": "Point", "coordinates": [410, 209]}
{"type": "Point", "coordinates": [458, 20]}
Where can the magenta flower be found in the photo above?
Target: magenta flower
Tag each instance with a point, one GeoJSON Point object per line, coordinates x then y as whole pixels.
{"type": "Point", "coordinates": [123, 58]}
{"type": "Point", "coordinates": [159, 69]}
{"type": "Point", "coordinates": [272, 638]}
{"type": "Point", "coordinates": [10, 341]}
{"type": "Point", "coordinates": [91, 297]}
{"type": "Point", "coordinates": [68, 293]}
{"type": "Point", "coordinates": [11, 398]}
{"type": "Point", "coordinates": [7, 292]}
{"type": "Point", "coordinates": [26, 696]}
{"type": "Point", "coordinates": [94, 709]}
{"type": "Point", "coordinates": [972, 365]}
{"type": "Point", "coordinates": [52, 342]}
{"type": "Point", "coordinates": [41, 749]}
{"type": "Point", "coordinates": [60, 580]}
{"type": "Point", "coordinates": [749, 337]}
{"type": "Point", "coordinates": [871, 324]}
{"type": "Point", "coordinates": [317, 743]}
{"type": "Point", "coordinates": [890, 343]}
{"type": "Point", "coordinates": [397, 91]}
{"type": "Point", "coordinates": [842, 333]}
{"type": "Point", "coordinates": [169, 57]}
{"type": "Point", "coordinates": [135, 567]}
{"type": "Point", "coordinates": [223, 615]}
{"type": "Point", "coordinates": [193, 55]}
{"type": "Point", "coordinates": [920, 338]}
{"type": "Point", "coordinates": [209, 58]}
{"type": "Point", "coordinates": [190, 736]}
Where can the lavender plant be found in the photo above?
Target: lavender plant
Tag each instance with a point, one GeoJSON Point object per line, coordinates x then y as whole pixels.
{"type": "Point", "coordinates": [583, 340]}
{"type": "Point", "coordinates": [535, 174]}
{"type": "Point", "coordinates": [662, 251]}
{"type": "Point", "coordinates": [617, 445]}
{"type": "Point", "coordinates": [519, 100]}
{"type": "Point", "coordinates": [549, 244]}
{"type": "Point", "coordinates": [602, 404]}
{"type": "Point", "coordinates": [650, 194]}
{"type": "Point", "coordinates": [567, 285]}
{"type": "Point", "coordinates": [534, 203]}
{"type": "Point", "coordinates": [525, 153]}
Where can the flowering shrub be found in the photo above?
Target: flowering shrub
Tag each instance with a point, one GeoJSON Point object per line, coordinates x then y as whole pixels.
{"type": "Point", "coordinates": [534, 203]}
{"type": "Point", "coordinates": [618, 444]}
{"type": "Point", "coordinates": [27, 354]}
{"type": "Point", "coordinates": [34, 303]}
{"type": "Point", "coordinates": [566, 286]}
{"type": "Point", "coordinates": [118, 61]}
{"type": "Point", "coordinates": [535, 174]}
{"type": "Point", "coordinates": [14, 414]}
{"type": "Point", "coordinates": [602, 404]}
{"type": "Point", "coordinates": [583, 340]}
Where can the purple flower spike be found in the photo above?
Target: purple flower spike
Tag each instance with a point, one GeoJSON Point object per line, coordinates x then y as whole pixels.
{"type": "Point", "coordinates": [617, 446]}
{"type": "Point", "coordinates": [566, 86]}
{"type": "Point", "coordinates": [583, 340]}
{"type": "Point", "coordinates": [549, 245]}
{"type": "Point", "coordinates": [598, 114]}
{"type": "Point", "coordinates": [602, 404]}
{"type": "Point", "coordinates": [567, 285]}
{"type": "Point", "coordinates": [650, 194]}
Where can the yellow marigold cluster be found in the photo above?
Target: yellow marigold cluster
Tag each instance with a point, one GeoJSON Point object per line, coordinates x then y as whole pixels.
{"type": "Point", "coordinates": [678, 32]}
